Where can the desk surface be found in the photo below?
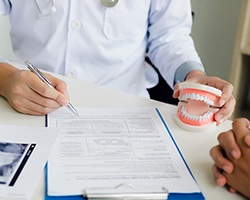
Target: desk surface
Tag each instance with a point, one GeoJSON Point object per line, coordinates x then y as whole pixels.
{"type": "Point", "coordinates": [194, 146]}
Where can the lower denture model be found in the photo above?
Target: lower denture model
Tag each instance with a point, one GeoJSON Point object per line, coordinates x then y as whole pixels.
{"type": "Point", "coordinates": [197, 105]}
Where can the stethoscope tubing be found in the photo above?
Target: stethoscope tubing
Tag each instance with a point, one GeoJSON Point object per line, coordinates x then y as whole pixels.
{"type": "Point", "coordinates": [51, 9]}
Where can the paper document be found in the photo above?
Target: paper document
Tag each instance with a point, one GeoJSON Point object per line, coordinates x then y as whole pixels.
{"type": "Point", "coordinates": [23, 154]}
{"type": "Point", "coordinates": [105, 147]}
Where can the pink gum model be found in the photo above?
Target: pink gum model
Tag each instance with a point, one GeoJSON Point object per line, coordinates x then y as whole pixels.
{"type": "Point", "coordinates": [197, 106]}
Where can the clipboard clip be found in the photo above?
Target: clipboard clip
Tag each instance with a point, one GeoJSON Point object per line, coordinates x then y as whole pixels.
{"type": "Point", "coordinates": [126, 191]}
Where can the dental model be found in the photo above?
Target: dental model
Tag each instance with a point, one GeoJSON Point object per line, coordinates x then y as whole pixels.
{"type": "Point", "coordinates": [197, 106]}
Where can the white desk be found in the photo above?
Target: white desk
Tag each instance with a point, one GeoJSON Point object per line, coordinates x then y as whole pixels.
{"type": "Point", "coordinates": [194, 146]}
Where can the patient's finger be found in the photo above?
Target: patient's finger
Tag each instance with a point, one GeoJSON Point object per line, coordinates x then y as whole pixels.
{"type": "Point", "coordinates": [228, 143]}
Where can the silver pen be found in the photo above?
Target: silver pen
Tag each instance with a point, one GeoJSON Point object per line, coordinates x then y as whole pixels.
{"type": "Point", "coordinates": [35, 70]}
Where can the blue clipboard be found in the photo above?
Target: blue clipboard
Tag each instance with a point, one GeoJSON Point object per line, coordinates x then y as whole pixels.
{"type": "Point", "coordinates": [171, 196]}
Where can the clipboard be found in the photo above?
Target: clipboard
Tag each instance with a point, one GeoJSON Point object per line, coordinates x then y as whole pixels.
{"type": "Point", "coordinates": [123, 191]}
{"type": "Point", "coordinates": [126, 191]}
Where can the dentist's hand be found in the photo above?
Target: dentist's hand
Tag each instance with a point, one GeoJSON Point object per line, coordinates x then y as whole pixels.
{"type": "Point", "coordinates": [226, 102]}
{"type": "Point", "coordinates": [28, 94]}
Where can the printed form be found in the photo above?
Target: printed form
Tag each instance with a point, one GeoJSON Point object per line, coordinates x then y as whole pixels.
{"type": "Point", "coordinates": [105, 147]}
{"type": "Point", "coordinates": [24, 152]}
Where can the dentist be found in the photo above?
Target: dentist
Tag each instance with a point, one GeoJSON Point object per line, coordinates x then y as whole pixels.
{"type": "Point", "coordinates": [103, 42]}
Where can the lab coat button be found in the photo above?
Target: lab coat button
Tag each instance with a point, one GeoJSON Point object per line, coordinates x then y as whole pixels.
{"type": "Point", "coordinates": [75, 24]}
{"type": "Point", "coordinates": [71, 74]}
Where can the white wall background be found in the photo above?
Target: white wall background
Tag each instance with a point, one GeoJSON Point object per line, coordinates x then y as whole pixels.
{"type": "Point", "coordinates": [5, 44]}
{"type": "Point", "coordinates": [214, 32]}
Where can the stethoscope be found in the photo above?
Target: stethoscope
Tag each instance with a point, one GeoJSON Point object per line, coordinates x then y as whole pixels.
{"type": "Point", "coordinates": [52, 8]}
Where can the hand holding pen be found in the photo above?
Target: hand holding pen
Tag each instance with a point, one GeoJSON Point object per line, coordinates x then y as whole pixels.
{"type": "Point", "coordinates": [35, 70]}
{"type": "Point", "coordinates": [27, 94]}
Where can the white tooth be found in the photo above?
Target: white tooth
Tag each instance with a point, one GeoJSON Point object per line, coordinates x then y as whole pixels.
{"type": "Point", "coordinates": [183, 114]}
{"type": "Point", "coordinates": [202, 98]}
{"type": "Point", "coordinates": [209, 114]}
{"type": "Point", "coordinates": [193, 96]}
{"type": "Point", "coordinates": [204, 117]}
{"type": "Point", "coordinates": [206, 100]}
{"type": "Point", "coordinates": [209, 102]}
{"type": "Point", "coordinates": [183, 97]}
{"type": "Point", "coordinates": [207, 117]}
{"type": "Point", "coordinates": [200, 118]}
{"type": "Point", "coordinates": [186, 97]}
{"type": "Point", "coordinates": [197, 97]}
{"type": "Point", "coordinates": [185, 109]}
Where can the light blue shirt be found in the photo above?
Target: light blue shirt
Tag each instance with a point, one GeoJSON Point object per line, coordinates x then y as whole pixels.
{"type": "Point", "coordinates": [105, 46]}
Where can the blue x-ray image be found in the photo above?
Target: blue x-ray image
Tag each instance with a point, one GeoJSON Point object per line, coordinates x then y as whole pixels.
{"type": "Point", "coordinates": [10, 155]}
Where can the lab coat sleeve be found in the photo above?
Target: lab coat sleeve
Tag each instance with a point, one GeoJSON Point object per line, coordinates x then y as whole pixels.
{"type": "Point", "coordinates": [169, 42]}
{"type": "Point", "coordinates": [5, 7]}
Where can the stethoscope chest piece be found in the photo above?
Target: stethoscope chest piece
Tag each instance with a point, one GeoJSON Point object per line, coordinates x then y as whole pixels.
{"type": "Point", "coordinates": [109, 3]}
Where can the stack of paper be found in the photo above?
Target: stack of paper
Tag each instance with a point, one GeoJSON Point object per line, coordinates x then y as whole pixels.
{"type": "Point", "coordinates": [24, 152]}
{"type": "Point", "coordinates": [104, 148]}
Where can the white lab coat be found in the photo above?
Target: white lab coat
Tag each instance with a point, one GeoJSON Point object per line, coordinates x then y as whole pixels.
{"type": "Point", "coordinates": [105, 46]}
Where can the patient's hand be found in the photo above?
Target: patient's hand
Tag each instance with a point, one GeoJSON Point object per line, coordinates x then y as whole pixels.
{"type": "Point", "coordinates": [239, 179]}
